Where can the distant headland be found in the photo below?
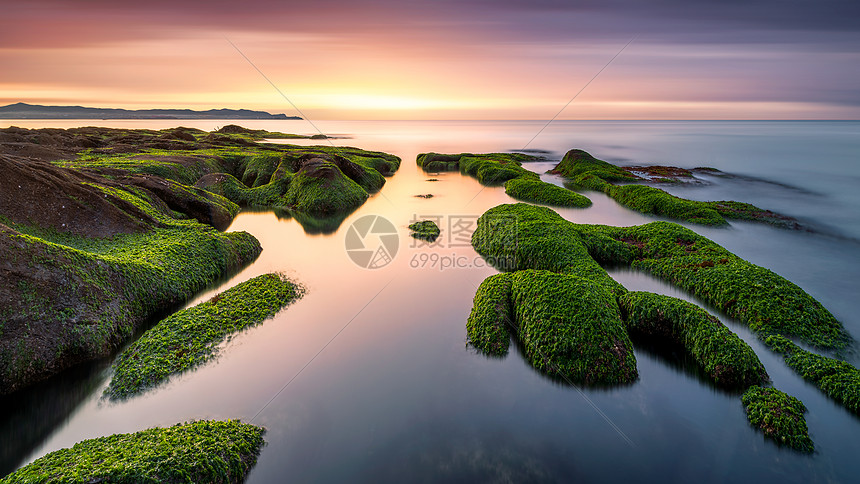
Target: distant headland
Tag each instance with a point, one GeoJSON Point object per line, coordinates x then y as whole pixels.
{"type": "Point", "coordinates": [35, 111]}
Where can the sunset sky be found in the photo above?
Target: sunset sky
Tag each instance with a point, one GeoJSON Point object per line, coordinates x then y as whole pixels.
{"type": "Point", "coordinates": [465, 59]}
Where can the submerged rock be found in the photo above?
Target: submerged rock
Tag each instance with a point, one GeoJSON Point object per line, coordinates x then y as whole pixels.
{"type": "Point", "coordinates": [584, 171]}
{"type": "Point", "coordinates": [424, 230]}
{"type": "Point", "coordinates": [779, 416]}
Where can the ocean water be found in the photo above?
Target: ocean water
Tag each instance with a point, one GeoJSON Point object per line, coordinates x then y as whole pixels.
{"type": "Point", "coordinates": [369, 378]}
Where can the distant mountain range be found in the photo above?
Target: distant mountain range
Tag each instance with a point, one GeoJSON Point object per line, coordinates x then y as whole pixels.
{"type": "Point", "coordinates": [35, 111]}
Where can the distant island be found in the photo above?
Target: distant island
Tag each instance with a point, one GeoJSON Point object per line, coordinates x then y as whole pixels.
{"type": "Point", "coordinates": [35, 111]}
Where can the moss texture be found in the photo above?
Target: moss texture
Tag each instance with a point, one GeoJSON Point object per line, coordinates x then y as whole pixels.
{"type": "Point", "coordinates": [189, 338]}
{"type": "Point", "coordinates": [321, 181]}
{"type": "Point", "coordinates": [202, 451]}
{"type": "Point", "coordinates": [107, 286]}
{"type": "Point", "coordinates": [570, 326]}
{"type": "Point", "coordinates": [520, 236]}
{"type": "Point", "coordinates": [505, 169]}
{"type": "Point", "coordinates": [537, 191]}
{"type": "Point", "coordinates": [726, 358]}
{"type": "Point", "coordinates": [779, 416]}
{"type": "Point", "coordinates": [424, 230]}
{"type": "Point", "coordinates": [837, 379]}
{"type": "Point", "coordinates": [584, 171]}
{"type": "Point", "coordinates": [490, 324]}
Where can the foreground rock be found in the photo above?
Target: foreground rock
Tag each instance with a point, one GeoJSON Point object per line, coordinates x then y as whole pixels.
{"type": "Point", "coordinates": [569, 326]}
{"type": "Point", "coordinates": [203, 451]}
{"type": "Point", "coordinates": [189, 338]}
{"type": "Point", "coordinates": [522, 238]}
{"type": "Point", "coordinates": [85, 261]}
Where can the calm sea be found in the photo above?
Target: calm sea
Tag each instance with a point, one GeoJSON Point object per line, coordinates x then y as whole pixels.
{"type": "Point", "coordinates": [368, 377]}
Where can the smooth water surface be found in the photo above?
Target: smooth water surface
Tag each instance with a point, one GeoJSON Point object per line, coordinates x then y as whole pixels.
{"type": "Point", "coordinates": [369, 378]}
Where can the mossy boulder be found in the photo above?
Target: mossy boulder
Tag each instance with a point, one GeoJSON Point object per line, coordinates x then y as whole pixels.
{"type": "Point", "coordinates": [320, 188]}
{"type": "Point", "coordinates": [570, 326]}
{"type": "Point", "coordinates": [201, 451]}
{"type": "Point", "coordinates": [189, 338]}
{"type": "Point", "coordinates": [424, 230]}
{"type": "Point", "coordinates": [779, 416]}
{"type": "Point", "coordinates": [93, 258]}
{"type": "Point", "coordinates": [576, 163]}
{"type": "Point", "coordinates": [723, 356]}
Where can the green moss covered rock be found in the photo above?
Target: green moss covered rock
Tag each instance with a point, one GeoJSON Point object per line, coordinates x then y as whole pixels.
{"type": "Point", "coordinates": [424, 230]}
{"type": "Point", "coordinates": [570, 326]}
{"type": "Point", "coordinates": [726, 358]}
{"type": "Point", "coordinates": [506, 169]}
{"type": "Point", "coordinates": [202, 451]}
{"type": "Point", "coordinates": [189, 338]}
{"type": "Point", "coordinates": [837, 379]}
{"type": "Point", "coordinates": [537, 191]}
{"type": "Point", "coordinates": [584, 171]}
{"type": "Point", "coordinates": [491, 322]}
{"type": "Point", "coordinates": [779, 416]}
{"type": "Point", "coordinates": [80, 298]}
{"type": "Point", "coordinates": [520, 236]}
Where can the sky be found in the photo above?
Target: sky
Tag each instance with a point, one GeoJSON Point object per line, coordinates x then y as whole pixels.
{"type": "Point", "coordinates": [444, 59]}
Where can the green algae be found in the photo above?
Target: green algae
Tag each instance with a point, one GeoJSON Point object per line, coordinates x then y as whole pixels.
{"type": "Point", "coordinates": [584, 171]}
{"type": "Point", "coordinates": [537, 191]}
{"type": "Point", "coordinates": [189, 338]}
{"type": "Point", "coordinates": [266, 175]}
{"type": "Point", "coordinates": [112, 285]}
{"type": "Point", "coordinates": [577, 163]}
{"type": "Point", "coordinates": [325, 195]}
{"type": "Point", "coordinates": [839, 380]}
{"type": "Point", "coordinates": [725, 357]}
{"type": "Point", "coordinates": [520, 236]}
{"type": "Point", "coordinates": [201, 451]}
{"type": "Point", "coordinates": [424, 230]}
{"type": "Point", "coordinates": [491, 321]}
{"type": "Point", "coordinates": [570, 327]}
{"type": "Point", "coordinates": [779, 416]}
{"type": "Point", "coordinates": [506, 169]}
